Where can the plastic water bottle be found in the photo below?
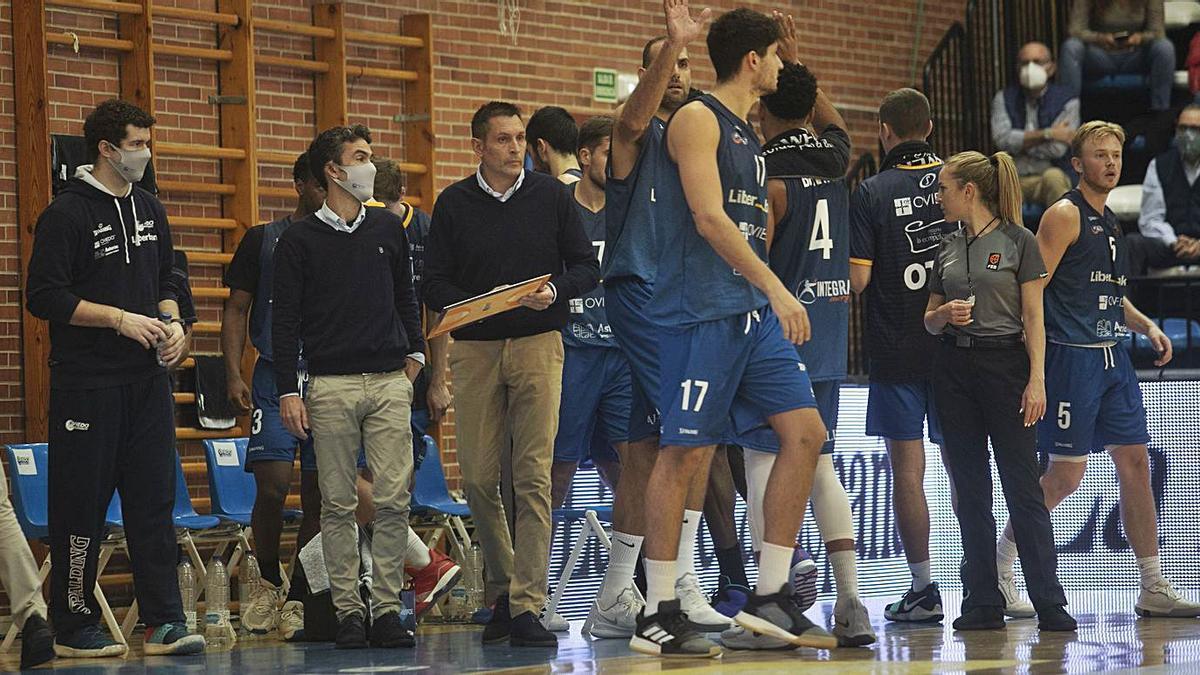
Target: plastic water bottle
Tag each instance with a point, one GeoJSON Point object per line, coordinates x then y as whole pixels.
{"type": "Point", "coordinates": [248, 578]}
{"type": "Point", "coordinates": [473, 578]}
{"type": "Point", "coordinates": [187, 591]}
{"type": "Point", "coordinates": [216, 608]}
{"type": "Point", "coordinates": [165, 318]}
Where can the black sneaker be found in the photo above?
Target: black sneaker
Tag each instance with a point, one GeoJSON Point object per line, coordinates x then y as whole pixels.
{"type": "Point", "coordinates": [388, 632]}
{"type": "Point", "coordinates": [499, 626]}
{"type": "Point", "coordinates": [980, 618]}
{"type": "Point", "coordinates": [351, 633]}
{"type": "Point", "coordinates": [1055, 617]}
{"type": "Point", "coordinates": [924, 606]}
{"type": "Point", "coordinates": [37, 642]}
{"type": "Point", "coordinates": [667, 633]}
{"type": "Point", "coordinates": [528, 631]}
{"type": "Point", "coordinates": [87, 642]}
{"type": "Point", "coordinates": [778, 616]}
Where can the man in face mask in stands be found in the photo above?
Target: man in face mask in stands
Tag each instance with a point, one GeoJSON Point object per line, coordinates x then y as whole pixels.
{"type": "Point", "coordinates": [1170, 218]}
{"type": "Point", "coordinates": [1034, 119]}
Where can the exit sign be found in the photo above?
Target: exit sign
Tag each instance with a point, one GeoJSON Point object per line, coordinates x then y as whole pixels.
{"type": "Point", "coordinates": [604, 85]}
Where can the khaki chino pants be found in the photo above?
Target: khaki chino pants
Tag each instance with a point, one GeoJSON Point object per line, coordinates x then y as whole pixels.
{"type": "Point", "coordinates": [504, 387]}
{"type": "Point", "coordinates": [371, 411]}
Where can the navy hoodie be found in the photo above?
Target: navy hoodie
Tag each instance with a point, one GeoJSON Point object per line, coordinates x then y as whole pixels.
{"type": "Point", "coordinates": [90, 245]}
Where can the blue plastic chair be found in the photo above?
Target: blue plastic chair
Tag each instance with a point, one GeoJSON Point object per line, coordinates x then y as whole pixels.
{"type": "Point", "coordinates": [431, 500]}
{"type": "Point", "coordinates": [230, 486]}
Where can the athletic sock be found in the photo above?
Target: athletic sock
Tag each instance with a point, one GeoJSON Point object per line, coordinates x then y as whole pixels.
{"type": "Point", "coordinates": [845, 573]}
{"type": "Point", "coordinates": [774, 568]}
{"type": "Point", "coordinates": [1150, 570]}
{"type": "Point", "coordinates": [921, 576]}
{"type": "Point", "coordinates": [299, 585]}
{"type": "Point", "coordinates": [622, 560]}
{"type": "Point", "coordinates": [417, 556]}
{"type": "Point", "coordinates": [660, 583]}
{"type": "Point", "coordinates": [730, 561]}
{"type": "Point", "coordinates": [686, 557]}
{"type": "Point", "coordinates": [269, 570]}
{"type": "Point", "coordinates": [1006, 553]}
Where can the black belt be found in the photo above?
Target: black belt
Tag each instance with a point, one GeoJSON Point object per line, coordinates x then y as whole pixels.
{"type": "Point", "coordinates": [972, 342]}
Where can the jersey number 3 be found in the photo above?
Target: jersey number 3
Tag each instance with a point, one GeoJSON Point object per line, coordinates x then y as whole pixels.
{"type": "Point", "coordinates": [820, 239]}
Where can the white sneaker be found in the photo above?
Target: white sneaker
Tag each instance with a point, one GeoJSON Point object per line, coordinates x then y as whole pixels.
{"type": "Point", "coordinates": [1014, 605]}
{"type": "Point", "coordinates": [852, 624]}
{"type": "Point", "coordinates": [555, 623]}
{"type": "Point", "coordinates": [1164, 600]}
{"type": "Point", "coordinates": [701, 615]}
{"type": "Point", "coordinates": [291, 621]}
{"type": "Point", "coordinates": [261, 614]}
{"type": "Point", "coordinates": [740, 638]}
{"type": "Point", "coordinates": [618, 620]}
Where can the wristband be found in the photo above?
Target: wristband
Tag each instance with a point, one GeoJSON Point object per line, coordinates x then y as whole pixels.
{"type": "Point", "coordinates": [120, 319]}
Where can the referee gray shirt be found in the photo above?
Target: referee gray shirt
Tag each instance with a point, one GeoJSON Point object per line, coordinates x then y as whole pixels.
{"type": "Point", "coordinates": [991, 267]}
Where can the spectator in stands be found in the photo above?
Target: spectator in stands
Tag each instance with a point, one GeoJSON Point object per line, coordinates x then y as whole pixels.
{"type": "Point", "coordinates": [343, 286]}
{"type": "Point", "coordinates": [1034, 121]}
{"type": "Point", "coordinates": [101, 274]}
{"type": "Point", "coordinates": [551, 137]}
{"type": "Point", "coordinates": [504, 225]}
{"type": "Point", "coordinates": [1170, 218]}
{"type": "Point", "coordinates": [1110, 37]}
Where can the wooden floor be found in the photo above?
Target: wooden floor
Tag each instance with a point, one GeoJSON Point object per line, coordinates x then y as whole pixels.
{"type": "Point", "coordinates": [1110, 638]}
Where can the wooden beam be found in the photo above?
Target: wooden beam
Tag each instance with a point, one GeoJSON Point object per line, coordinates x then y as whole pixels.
{"type": "Point", "coordinates": [184, 397]}
{"type": "Point", "coordinates": [201, 151]}
{"type": "Point", "coordinates": [382, 73]}
{"type": "Point", "coordinates": [192, 434]}
{"type": "Point", "coordinates": [238, 130]}
{"type": "Point", "coordinates": [210, 292]}
{"type": "Point", "coordinates": [193, 52]}
{"type": "Point", "coordinates": [32, 120]}
{"type": "Point", "coordinates": [89, 41]}
{"type": "Point", "coordinates": [331, 92]}
{"type": "Point", "coordinates": [137, 67]}
{"type": "Point", "coordinates": [197, 187]}
{"type": "Point", "coordinates": [384, 39]}
{"type": "Point", "coordinates": [293, 28]}
{"type": "Point", "coordinates": [207, 328]}
{"type": "Point", "coordinates": [219, 18]}
{"type": "Point", "coordinates": [185, 222]}
{"type": "Point", "coordinates": [129, 8]}
{"type": "Point", "coordinates": [207, 257]}
{"type": "Point", "coordinates": [418, 106]}
{"type": "Point", "coordinates": [306, 65]}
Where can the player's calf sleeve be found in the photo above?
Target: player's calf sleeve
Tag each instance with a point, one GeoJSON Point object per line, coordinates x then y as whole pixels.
{"type": "Point", "coordinates": [758, 471]}
{"type": "Point", "coordinates": [830, 504]}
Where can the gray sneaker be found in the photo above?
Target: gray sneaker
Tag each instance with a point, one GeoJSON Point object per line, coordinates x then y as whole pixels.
{"type": "Point", "coordinates": [778, 616]}
{"type": "Point", "coordinates": [740, 638]}
{"type": "Point", "coordinates": [852, 624]}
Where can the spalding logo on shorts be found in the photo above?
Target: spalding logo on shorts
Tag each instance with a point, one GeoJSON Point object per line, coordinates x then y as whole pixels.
{"type": "Point", "coordinates": [72, 425]}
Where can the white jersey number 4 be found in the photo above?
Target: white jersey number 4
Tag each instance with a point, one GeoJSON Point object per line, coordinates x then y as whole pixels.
{"type": "Point", "coordinates": [820, 239]}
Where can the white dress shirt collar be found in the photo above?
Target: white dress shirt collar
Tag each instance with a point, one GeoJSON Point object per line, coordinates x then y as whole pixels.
{"type": "Point", "coordinates": [335, 221]}
{"type": "Point", "coordinates": [503, 197]}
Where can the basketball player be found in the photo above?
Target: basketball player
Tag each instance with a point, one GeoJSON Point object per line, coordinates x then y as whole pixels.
{"type": "Point", "coordinates": [629, 269]}
{"type": "Point", "coordinates": [551, 137]}
{"type": "Point", "coordinates": [725, 327]}
{"type": "Point", "coordinates": [895, 227]}
{"type": "Point", "coordinates": [810, 252]}
{"type": "Point", "coordinates": [1092, 395]}
{"type": "Point", "coordinates": [596, 379]}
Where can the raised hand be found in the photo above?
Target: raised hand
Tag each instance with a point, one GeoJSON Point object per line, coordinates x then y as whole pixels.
{"type": "Point", "coordinates": [681, 27]}
{"type": "Point", "coordinates": [789, 39]}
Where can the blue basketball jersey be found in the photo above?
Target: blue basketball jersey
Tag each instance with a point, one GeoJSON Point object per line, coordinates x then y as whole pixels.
{"type": "Point", "coordinates": [630, 234]}
{"type": "Point", "coordinates": [260, 311]}
{"type": "Point", "coordinates": [694, 284]}
{"type": "Point", "coordinates": [587, 323]}
{"type": "Point", "coordinates": [810, 253]}
{"type": "Point", "coordinates": [1085, 299]}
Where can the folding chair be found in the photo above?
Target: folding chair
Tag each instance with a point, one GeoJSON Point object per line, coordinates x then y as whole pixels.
{"type": "Point", "coordinates": [593, 519]}
{"type": "Point", "coordinates": [431, 500]}
{"type": "Point", "coordinates": [187, 524]}
{"type": "Point", "coordinates": [30, 499]}
{"type": "Point", "coordinates": [232, 490]}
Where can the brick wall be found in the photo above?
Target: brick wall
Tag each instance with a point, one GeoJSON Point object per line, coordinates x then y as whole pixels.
{"type": "Point", "coordinates": [858, 50]}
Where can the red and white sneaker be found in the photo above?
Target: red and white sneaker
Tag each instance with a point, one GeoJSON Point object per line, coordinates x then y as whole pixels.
{"type": "Point", "coordinates": [433, 581]}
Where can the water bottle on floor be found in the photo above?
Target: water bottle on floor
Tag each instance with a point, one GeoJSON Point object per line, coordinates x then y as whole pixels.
{"type": "Point", "coordinates": [216, 607]}
{"type": "Point", "coordinates": [473, 579]}
{"type": "Point", "coordinates": [187, 592]}
{"type": "Point", "coordinates": [248, 578]}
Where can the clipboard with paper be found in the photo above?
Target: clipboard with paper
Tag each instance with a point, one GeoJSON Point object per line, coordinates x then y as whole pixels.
{"type": "Point", "coordinates": [496, 301]}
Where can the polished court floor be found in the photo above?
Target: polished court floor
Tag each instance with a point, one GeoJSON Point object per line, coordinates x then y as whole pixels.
{"type": "Point", "coordinates": [1110, 638]}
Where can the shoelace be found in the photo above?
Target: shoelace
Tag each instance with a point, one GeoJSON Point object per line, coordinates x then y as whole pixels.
{"type": "Point", "coordinates": [628, 603]}
{"type": "Point", "coordinates": [1166, 589]}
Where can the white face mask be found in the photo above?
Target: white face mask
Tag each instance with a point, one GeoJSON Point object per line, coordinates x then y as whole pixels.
{"type": "Point", "coordinates": [1033, 76]}
{"type": "Point", "coordinates": [360, 180]}
{"type": "Point", "coordinates": [131, 163]}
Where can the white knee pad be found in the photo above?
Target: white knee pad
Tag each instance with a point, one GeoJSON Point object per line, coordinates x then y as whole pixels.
{"type": "Point", "coordinates": [830, 503]}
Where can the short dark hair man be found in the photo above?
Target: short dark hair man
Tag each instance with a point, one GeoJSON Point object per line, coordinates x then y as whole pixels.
{"type": "Point", "coordinates": [343, 285]}
{"type": "Point", "coordinates": [101, 273]}
{"type": "Point", "coordinates": [1170, 216]}
{"type": "Point", "coordinates": [551, 137]}
{"type": "Point", "coordinates": [504, 225]}
{"type": "Point", "coordinates": [272, 448]}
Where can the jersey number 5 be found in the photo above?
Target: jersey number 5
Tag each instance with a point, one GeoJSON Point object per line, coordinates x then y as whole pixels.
{"type": "Point", "coordinates": [820, 239]}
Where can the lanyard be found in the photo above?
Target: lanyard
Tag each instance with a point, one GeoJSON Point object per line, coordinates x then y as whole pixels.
{"type": "Point", "coordinates": [971, 240]}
